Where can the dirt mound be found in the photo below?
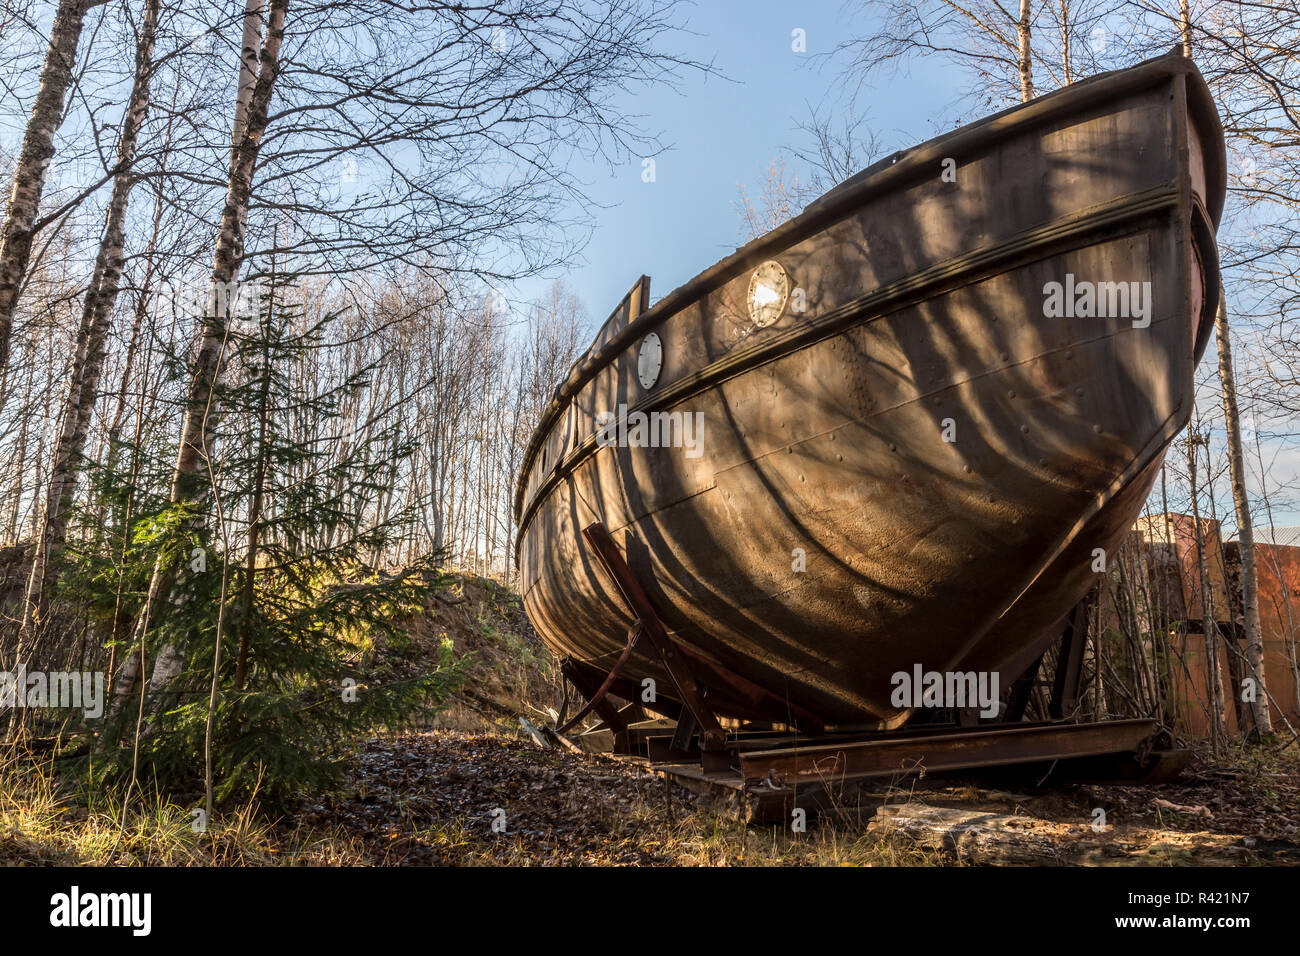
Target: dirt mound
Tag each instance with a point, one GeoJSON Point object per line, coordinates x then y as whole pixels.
{"type": "Point", "coordinates": [508, 671]}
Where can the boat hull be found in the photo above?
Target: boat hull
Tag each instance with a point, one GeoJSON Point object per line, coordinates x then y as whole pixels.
{"type": "Point", "coordinates": [922, 465]}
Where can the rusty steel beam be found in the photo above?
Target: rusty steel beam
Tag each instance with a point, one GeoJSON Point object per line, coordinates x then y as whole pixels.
{"type": "Point", "coordinates": [903, 753]}
{"type": "Point", "coordinates": [1069, 661]}
{"type": "Point", "coordinates": [599, 702]}
{"type": "Point", "coordinates": [1022, 690]}
{"type": "Point", "coordinates": [633, 638]}
{"type": "Point", "coordinates": [712, 736]}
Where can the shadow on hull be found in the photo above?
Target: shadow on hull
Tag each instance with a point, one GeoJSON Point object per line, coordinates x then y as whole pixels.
{"type": "Point", "coordinates": [899, 429]}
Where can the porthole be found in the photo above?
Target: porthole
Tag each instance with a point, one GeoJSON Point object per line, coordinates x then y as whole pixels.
{"type": "Point", "coordinates": [769, 288]}
{"type": "Point", "coordinates": [650, 360]}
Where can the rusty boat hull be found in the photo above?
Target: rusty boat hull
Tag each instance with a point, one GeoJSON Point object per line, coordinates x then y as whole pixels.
{"type": "Point", "coordinates": [913, 463]}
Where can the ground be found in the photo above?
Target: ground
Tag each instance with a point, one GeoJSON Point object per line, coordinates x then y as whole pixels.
{"type": "Point", "coordinates": [431, 796]}
{"type": "Point", "coordinates": [435, 797]}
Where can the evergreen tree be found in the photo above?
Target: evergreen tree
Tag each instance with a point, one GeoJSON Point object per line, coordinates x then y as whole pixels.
{"type": "Point", "coordinates": [277, 590]}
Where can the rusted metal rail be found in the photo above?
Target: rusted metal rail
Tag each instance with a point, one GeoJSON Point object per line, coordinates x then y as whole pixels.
{"type": "Point", "coordinates": [776, 763]}
{"type": "Point", "coordinates": [953, 749]}
{"type": "Point", "coordinates": [766, 772]}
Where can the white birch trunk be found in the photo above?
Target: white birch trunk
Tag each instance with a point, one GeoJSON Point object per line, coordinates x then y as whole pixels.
{"type": "Point", "coordinates": [88, 363]}
{"type": "Point", "coordinates": [1245, 529]}
{"type": "Point", "coordinates": [1024, 43]}
{"type": "Point", "coordinates": [34, 161]}
{"type": "Point", "coordinates": [250, 118]}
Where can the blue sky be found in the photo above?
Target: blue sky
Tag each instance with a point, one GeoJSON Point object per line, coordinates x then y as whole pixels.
{"type": "Point", "coordinates": [722, 131]}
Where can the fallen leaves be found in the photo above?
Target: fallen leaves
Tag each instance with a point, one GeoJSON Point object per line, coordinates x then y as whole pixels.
{"type": "Point", "coordinates": [429, 798]}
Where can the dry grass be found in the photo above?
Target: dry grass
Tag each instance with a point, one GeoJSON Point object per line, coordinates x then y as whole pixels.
{"type": "Point", "coordinates": [599, 814]}
{"type": "Point", "coordinates": [421, 799]}
{"type": "Point", "coordinates": [45, 823]}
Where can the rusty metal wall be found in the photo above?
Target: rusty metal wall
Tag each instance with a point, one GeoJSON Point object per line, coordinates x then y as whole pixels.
{"type": "Point", "coordinates": [1278, 571]}
{"type": "Point", "coordinates": [1167, 544]}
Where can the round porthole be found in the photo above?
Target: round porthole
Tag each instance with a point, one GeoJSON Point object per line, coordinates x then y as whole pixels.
{"type": "Point", "coordinates": [769, 287]}
{"type": "Point", "coordinates": [650, 360]}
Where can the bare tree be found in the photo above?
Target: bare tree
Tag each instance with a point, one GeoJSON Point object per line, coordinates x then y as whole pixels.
{"type": "Point", "coordinates": [1024, 50]}
{"type": "Point", "coordinates": [842, 143]}
{"type": "Point", "coordinates": [88, 361]}
{"type": "Point", "coordinates": [33, 164]}
{"type": "Point", "coordinates": [1263, 724]}
{"type": "Point", "coordinates": [258, 68]}
{"type": "Point", "coordinates": [996, 45]}
{"type": "Point", "coordinates": [779, 198]}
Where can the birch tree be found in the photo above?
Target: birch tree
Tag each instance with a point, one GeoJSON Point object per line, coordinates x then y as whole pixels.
{"type": "Point", "coordinates": [996, 45]}
{"type": "Point", "coordinates": [1263, 724]}
{"type": "Point", "coordinates": [1024, 50]}
{"type": "Point", "coordinates": [34, 162]}
{"type": "Point", "coordinates": [258, 68]}
{"type": "Point", "coordinates": [88, 361]}
{"type": "Point", "coordinates": [1259, 707]}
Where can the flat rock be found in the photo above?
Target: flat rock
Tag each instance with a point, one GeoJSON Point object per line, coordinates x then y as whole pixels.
{"type": "Point", "coordinates": [983, 837]}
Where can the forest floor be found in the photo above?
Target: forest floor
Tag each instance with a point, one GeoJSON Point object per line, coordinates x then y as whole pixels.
{"type": "Point", "coordinates": [432, 797]}
{"type": "Point", "coordinates": [471, 788]}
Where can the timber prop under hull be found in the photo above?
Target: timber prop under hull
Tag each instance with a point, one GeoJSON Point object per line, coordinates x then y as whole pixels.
{"type": "Point", "coordinates": [907, 461]}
